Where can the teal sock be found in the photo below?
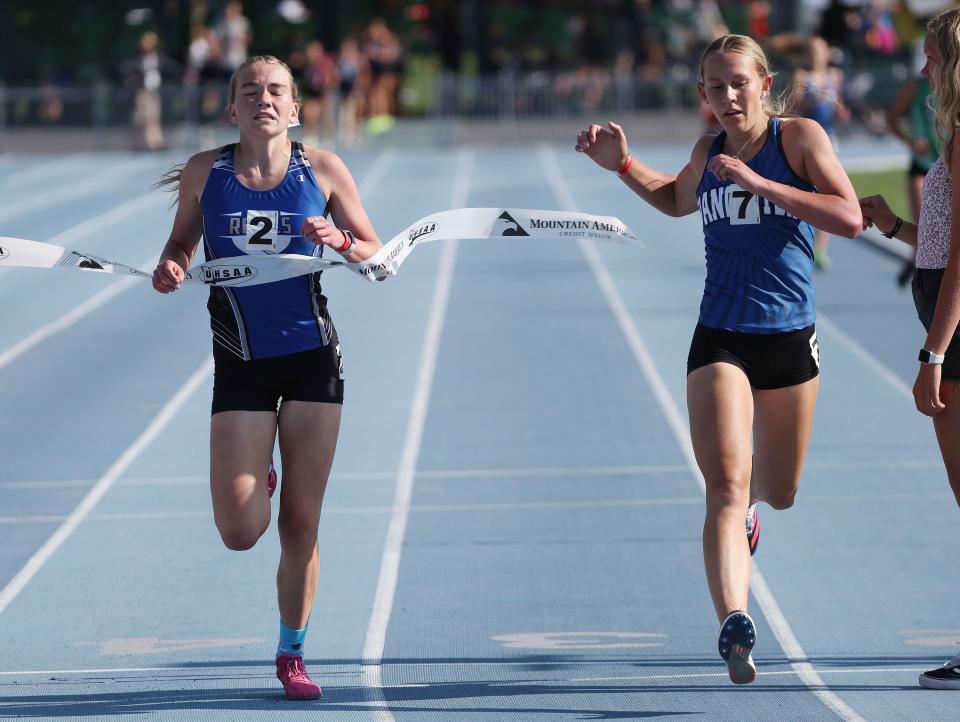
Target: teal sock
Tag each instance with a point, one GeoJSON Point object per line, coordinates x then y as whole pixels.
{"type": "Point", "coordinates": [291, 640]}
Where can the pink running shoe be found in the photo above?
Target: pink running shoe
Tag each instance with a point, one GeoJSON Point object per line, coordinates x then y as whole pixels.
{"type": "Point", "coordinates": [271, 478]}
{"type": "Point", "coordinates": [293, 675]}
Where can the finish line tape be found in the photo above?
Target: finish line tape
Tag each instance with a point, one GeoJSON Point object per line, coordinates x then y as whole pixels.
{"type": "Point", "coordinates": [514, 224]}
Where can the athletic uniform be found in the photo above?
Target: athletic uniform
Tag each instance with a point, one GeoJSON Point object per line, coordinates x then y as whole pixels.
{"type": "Point", "coordinates": [923, 126]}
{"type": "Point", "coordinates": [819, 103]}
{"type": "Point", "coordinates": [757, 310]}
{"type": "Point", "coordinates": [274, 340]}
{"type": "Point", "coordinates": [933, 249]}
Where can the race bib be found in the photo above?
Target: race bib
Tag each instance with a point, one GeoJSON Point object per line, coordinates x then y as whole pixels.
{"type": "Point", "coordinates": [261, 231]}
{"type": "Point", "coordinates": [743, 207]}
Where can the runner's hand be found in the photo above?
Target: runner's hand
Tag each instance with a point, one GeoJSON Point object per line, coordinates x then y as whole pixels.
{"type": "Point", "coordinates": [926, 391]}
{"type": "Point", "coordinates": [726, 167]}
{"type": "Point", "coordinates": [168, 276]}
{"type": "Point", "coordinates": [607, 148]}
{"type": "Point", "coordinates": [876, 212]}
{"type": "Point", "coordinates": [320, 231]}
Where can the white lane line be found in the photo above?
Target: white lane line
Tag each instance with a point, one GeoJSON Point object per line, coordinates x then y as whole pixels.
{"type": "Point", "coordinates": [723, 675]}
{"type": "Point", "coordinates": [80, 230]}
{"type": "Point", "coordinates": [71, 317]}
{"type": "Point", "coordinates": [100, 221]}
{"type": "Point", "coordinates": [765, 599]}
{"type": "Point", "coordinates": [486, 506]}
{"type": "Point", "coordinates": [497, 663]}
{"type": "Point", "coordinates": [41, 171]}
{"type": "Point", "coordinates": [876, 163]}
{"type": "Point", "coordinates": [393, 546]}
{"type": "Point", "coordinates": [113, 215]}
{"type": "Point", "coordinates": [153, 430]}
{"type": "Point", "coordinates": [507, 473]}
{"type": "Point", "coordinates": [377, 172]}
{"type": "Point", "coordinates": [868, 358]}
{"type": "Point", "coordinates": [61, 192]}
{"type": "Point", "coordinates": [357, 510]}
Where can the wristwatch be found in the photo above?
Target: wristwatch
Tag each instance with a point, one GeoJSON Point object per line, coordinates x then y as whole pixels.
{"type": "Point", "coordinates": [928, 357]}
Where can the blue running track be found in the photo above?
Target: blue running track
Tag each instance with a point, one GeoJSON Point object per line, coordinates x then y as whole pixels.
{"type": "Point", "coordinates": [512, 530]}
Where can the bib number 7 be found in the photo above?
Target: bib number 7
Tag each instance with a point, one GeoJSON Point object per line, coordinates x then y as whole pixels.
{"type": "Point", "coordinates": [743, 207]}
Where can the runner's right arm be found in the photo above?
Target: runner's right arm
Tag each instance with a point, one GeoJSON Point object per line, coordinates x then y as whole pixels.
{"type": "Point", "coordinates": [181, 247]}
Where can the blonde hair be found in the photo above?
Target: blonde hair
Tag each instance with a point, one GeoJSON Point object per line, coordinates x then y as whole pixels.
{"type": "Point", "coordinates": [170, 181]}
{"type": "Point", "coordinates": [744, 45]}
{"type": "Point", "coordinates": [945, 29]}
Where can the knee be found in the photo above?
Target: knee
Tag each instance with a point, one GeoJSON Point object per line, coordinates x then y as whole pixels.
{"type": "Point", "coordinates": [729, 488]}
{"type": "Point", "coordinates": [298, 531]}
{"type": "Point", "coordinates": [781, 500]}
{"type": "Point", "coordinates": [239, 537]}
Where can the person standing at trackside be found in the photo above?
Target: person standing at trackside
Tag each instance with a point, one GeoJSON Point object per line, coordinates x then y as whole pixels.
{"type": "Point", "coordinates": [761, 186]}
{"type": "Point", "coordinates": [274, 342]}
{"type": "Point", "coordinates": [920, 136]}
{"type": "Point", "coordinates": [936, 281]}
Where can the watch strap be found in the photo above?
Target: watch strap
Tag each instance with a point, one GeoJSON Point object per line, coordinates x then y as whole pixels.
{"type": "Point", "coordinates": [928, 357]}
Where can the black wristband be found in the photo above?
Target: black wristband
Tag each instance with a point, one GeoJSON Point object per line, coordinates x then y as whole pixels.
{"type": "Point", "coordinates": [896, 227]}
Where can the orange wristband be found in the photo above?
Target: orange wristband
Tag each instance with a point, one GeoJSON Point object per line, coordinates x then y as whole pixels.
{"type": "Point", "coordinates": [628, 163]}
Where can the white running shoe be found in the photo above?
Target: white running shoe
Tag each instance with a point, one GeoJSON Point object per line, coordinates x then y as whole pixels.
{"type": "Point", "coordinates": [945, 677]}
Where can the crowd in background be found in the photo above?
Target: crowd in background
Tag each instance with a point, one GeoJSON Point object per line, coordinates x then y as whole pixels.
{"type": "Point", "coordinates": [339, 89]}
{"type": "Point", "coordinates": [554, 55]}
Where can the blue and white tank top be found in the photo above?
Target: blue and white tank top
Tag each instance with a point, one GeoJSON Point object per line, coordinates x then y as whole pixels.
{"type": "Point", "coordinates": [272, 319]}
{"type": "Point", "coordinates": [759, 257]}
{"type": "Point", "coordinates": [819, 102]}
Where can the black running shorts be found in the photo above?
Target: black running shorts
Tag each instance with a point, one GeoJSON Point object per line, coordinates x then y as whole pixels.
{"type": "Point", "coordinates": [260, 384]}
{"type": "Point", "coordinates": [926, 286]}
{"type": "Point", "coordinates": [770, 360]}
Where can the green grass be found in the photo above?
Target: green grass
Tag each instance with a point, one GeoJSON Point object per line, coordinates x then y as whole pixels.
{"type": "Point", "coordinates": [891, 184]}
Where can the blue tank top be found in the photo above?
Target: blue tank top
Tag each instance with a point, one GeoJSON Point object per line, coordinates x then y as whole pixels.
{"type": "Point", "coordinates": [759, 257]}
{"type": "Point", "coordinates": [272, 319]}
{"type": "Point", "coordinates": [820, 103]}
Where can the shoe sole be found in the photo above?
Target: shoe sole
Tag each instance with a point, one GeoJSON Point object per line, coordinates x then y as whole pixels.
{"type": "Point", "coordinates": [930, 683]}
{"type": "Point", "coordinates": [740, 665]}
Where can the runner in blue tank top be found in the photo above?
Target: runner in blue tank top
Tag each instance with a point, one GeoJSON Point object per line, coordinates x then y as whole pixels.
{"type": "Point", "coordinates": [273, 344]}
{"type": "Point", "coordinates": [753, 367]}
{"type": "Point", "coordinates": [817, 93]}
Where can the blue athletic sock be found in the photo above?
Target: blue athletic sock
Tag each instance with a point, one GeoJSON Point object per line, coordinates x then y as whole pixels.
{"type": "Point", "coordinates": [291, 640]}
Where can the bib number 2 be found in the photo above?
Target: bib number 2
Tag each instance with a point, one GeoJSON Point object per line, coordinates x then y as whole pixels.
{"type": "Point", "coordinates": [743, 207]}
{"type": "Point", "coordinates": [261, 231]}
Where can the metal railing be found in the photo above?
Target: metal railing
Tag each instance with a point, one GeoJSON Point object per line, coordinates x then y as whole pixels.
{"type": "Point", "coordinates": [100, 114]}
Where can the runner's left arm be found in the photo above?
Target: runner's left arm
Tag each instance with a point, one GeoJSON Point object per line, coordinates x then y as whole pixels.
{"type": "Point", "coordinates": [346, 210]}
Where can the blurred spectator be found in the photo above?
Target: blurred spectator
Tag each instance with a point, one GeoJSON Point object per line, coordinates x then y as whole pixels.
{"type": "Point", "coordinates": [202, 53]}
{"type": "Point", "coordinates": [911, 119]}
{"type": "Point", "coordinates": [204, 48]}
{"type": "Point", "coordinates": [234, 36]}
{"type": "Point", "coordinates": [879, 32]}
{"type": "Point", "coordinates": [383, 51]}
{"type": "Point", "coordinates": [50, 107]}
{"type": "Point", "coordinates": [838, 23]}
{"type": "Point", "coordinates": [354, 74]}
{"type": "Point", "coordinates": [144, 76]}
{"type": "Point", "coordinates": [816, 93]}
{"type": "Point", "coordinates": [758, 19]}
{"type": "Point", "coordinates": [321, 79]}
